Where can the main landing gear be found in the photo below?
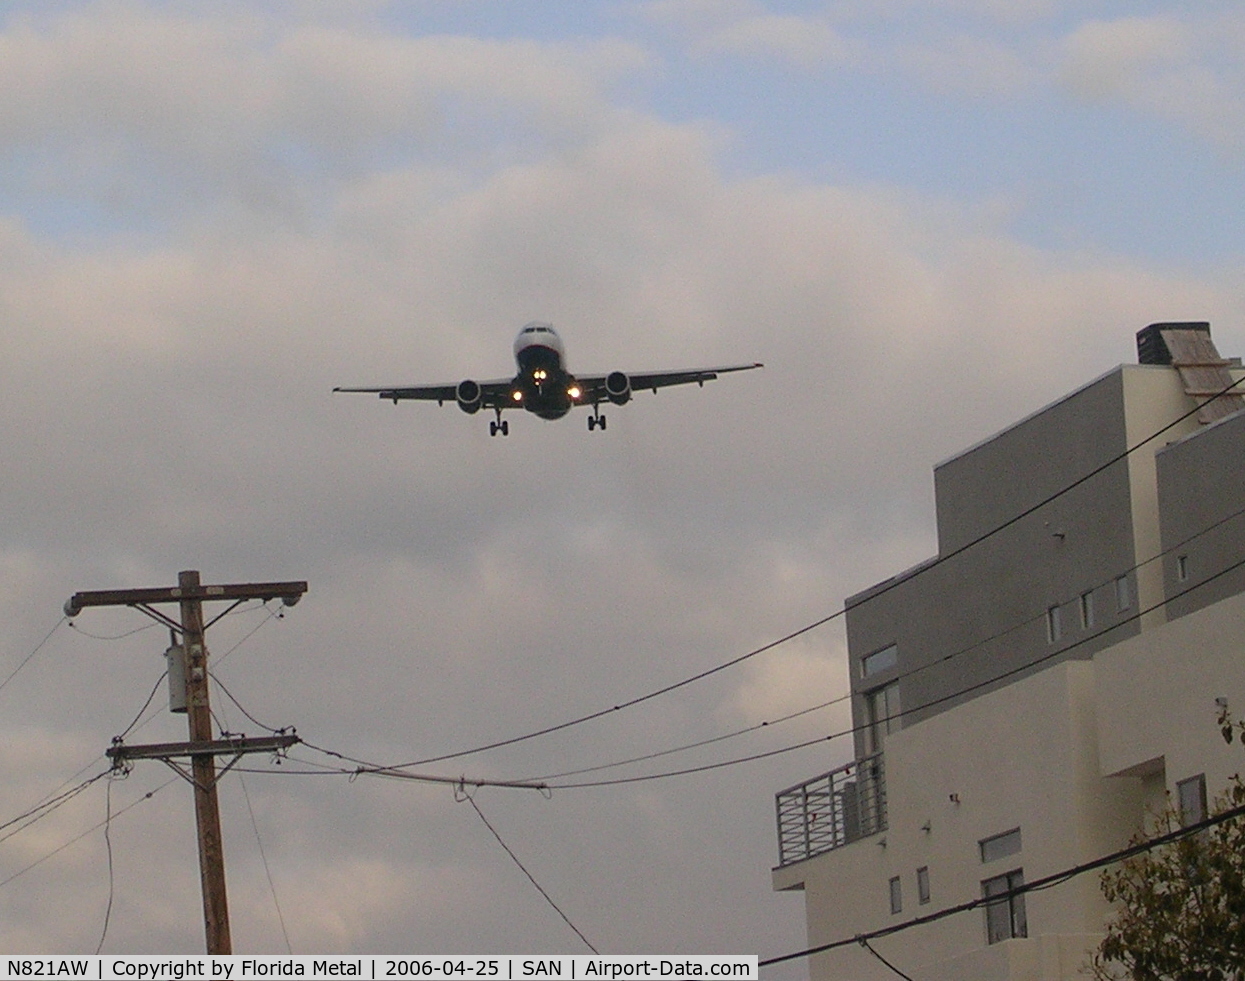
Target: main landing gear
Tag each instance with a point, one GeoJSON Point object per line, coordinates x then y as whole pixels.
{"type": "Point", "coordinates": [500, 426]}
{"type": "Point", "coordinates": [595, 420]}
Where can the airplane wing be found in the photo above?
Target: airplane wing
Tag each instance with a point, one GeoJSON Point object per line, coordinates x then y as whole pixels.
{"type": "Point", "coordinates": [493, 394]}
{"type": "Point", "coordinates": [594, 386]}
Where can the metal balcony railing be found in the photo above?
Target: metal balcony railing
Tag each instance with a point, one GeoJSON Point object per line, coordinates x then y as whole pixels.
{"type": "Point", "coordinates": [831, 810]}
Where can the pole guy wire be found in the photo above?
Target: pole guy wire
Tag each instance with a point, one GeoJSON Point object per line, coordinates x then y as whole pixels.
{"type": "Point", "coordinates": [38, 647]}
{"type": "Point", "coordinates": [530, 878]}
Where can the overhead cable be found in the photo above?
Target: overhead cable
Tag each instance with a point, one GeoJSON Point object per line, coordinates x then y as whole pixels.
{"type": "Point", "coordinates": [90, 830]}
{"type": "Point", "coordinates": [366, 768]}
{"type": "Point", "coordinates": [263, 857]}
{"type": "Point", "coordinates": [277, 614]}
{"type": "Point", "coordinates": [1036, 885]}
{"type": "Point", "coordinates": [38, 647]}
{"type": "Point", "coordinates": [968, 689]}
{"type": "Point", "coordinates": [702, 742]}
{"type": "Point", "coordinates": [522, 868]}
{"type": "Point", "coordinates": [960, 652]}
{"type": "Point", "coordinates": [129, 633]}
{"type": "Point", "coordinates": [47, 806]}
{"type": "Point", "coordinates": [108, 846]}
{"type": "Point", "coordinates": [228, 694]}
{"type": "Point", "coordinates": [893, 969]}
{"type": "Point", "coordinates": [934, 563]}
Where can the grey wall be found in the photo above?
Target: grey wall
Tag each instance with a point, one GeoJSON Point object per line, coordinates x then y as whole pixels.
{"type": "Point", "coordinates": [1201, 482]}
{"type": "Point", "coordinates": [977, 620]}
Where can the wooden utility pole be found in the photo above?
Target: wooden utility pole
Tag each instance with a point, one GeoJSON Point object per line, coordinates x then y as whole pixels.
{"type": "Point", "coordinates": [202, 750]}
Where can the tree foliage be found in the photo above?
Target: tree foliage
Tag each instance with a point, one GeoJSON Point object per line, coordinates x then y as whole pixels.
{"type": "Point", "coordinates": [1180, 908]}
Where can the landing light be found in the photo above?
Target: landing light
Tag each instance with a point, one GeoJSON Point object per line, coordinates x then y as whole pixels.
{"type": "Point", "coordinates": [574, 392]}
{"type": "Point", "coordinates": [540, 374]}
{"type": "Point", "coordinates": [517, 396]}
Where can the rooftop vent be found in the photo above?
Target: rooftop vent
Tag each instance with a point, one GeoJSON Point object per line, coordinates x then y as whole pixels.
{"type": "Point", "coordinates": [1188, 348]}
{"type": "Point", "coordinates": [1152, 349]}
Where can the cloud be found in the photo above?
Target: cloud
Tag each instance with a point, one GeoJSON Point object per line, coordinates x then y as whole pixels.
{"type": "Point", "coordinates": [972, 65]}
{"type": "Point", "coordinates": [745, 29]}
{"type": "Point", "coordinates": [804, 42]}
{"type": "Point", "coordinates": [1186, 71]}
{"type": "Point", "coordinates": [167, 405]}
{"type": "Point", "coordinates": [144, 109]}
{"type": "Point", "coordinates": [1107, 58]}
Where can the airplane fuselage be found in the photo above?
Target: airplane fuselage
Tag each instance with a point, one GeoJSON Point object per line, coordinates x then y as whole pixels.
{"type": "Point", "coordinates": [542, 386]}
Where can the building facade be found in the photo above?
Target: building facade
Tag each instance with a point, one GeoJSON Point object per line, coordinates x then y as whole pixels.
{"type": "Point", "coordinates": [1028, 699]}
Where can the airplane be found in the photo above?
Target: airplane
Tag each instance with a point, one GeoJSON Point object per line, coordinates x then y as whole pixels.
{"type": "Point", "coordinates": [544, 386]}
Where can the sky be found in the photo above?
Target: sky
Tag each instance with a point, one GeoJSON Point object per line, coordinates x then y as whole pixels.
{"type": "Point", "coordinates": [928, 218]}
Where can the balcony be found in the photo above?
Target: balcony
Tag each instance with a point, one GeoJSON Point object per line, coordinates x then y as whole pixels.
{"type": "Point", "coordinates": [831, 810]}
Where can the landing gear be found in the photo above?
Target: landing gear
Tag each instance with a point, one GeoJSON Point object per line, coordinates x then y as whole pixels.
{"type": "Point", "coordinates": [595, 420]}
{"type": "Point", "coordinates": [500, 426]}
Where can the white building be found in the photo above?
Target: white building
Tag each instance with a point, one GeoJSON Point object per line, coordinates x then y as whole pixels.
{"type": "Point", "coordinates": [1025, 700]}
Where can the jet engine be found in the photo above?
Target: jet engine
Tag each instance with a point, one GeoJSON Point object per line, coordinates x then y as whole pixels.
{"type": "Point", "coordinates": [468, 395]}
{"type": "Point", "coordinates": [618, 387]}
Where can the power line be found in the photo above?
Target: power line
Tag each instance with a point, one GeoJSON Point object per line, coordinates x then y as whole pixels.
{"type": "Point", "coordinates": [998, 635]}
{"type": "Point", "coordinates": [365, 767]}
{"type": "Point", "coordinates": [108, 845]}
{"type": "Point", "coordinates": [38, 647]}
{"type": "Point", "coordinates": [277, 614]}
{"type": "Point", "coordinates": [530, 878]}
{"type": "Point", "coordinates": [627, 704]}
{"type": "Point", "coordinates": [90, 830]}
{"type": "Point", "coordinates": [229, 695]}
{"type": "Point", "coordinates": [934, 563]}
{"type": "Point", "coordinates": [259, 842]}
{"type": "Point", "coordinates": [272, 887]}
{"type": "Point", "coordinates": [867, 946]}
{"type": "Point", "coordinates": [909, 711]}
{"type": "Point", "coordinates": [246, 796]}
{"type": "Point", "coordinates": [154, 688]}
{"type": "Point", "coordinates": [362, 769]}
{"type": "Point", "coordinates": [47, 806]}
{"type": "Point", "coordinates": [702, 742]}
{"type": "Point", "coordinates": [129, 633]}
{"type": "Point", "coordinates": [1046, 882]}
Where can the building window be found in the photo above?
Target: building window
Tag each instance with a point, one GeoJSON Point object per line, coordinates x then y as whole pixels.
{"type": "Point", "coordinates": [1087, 610]}
{"type": "Point", "coordinates": [1000, 846]}
{"type": "Point", "coordinates": [1005, 918]}
{"type": "Point", "coordinates": [1123, 593]}
{"type": "Point", "coordinates": [881, 716]}
{"type": "Point", "coordinates": [1054, 624]}
{"type": "Point", "coordinates": [879, 661]}
{"type": "Point", "coordinates": [1182, 567]}
{"type": "Point", "coordinates": [1191, 797]}
{"type": "Point", "coordinates": [896, 895]}
{"type": "Point", "coordinates": [922, 885]}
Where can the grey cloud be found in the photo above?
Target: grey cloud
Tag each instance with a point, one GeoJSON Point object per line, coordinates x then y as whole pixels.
{"type": "Point", "coordinates": [167, 406]}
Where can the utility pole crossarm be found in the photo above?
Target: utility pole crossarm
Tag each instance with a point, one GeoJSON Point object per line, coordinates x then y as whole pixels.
{"type": "Point", "coordinates": [210, 747]}
{"type": "Point", "coordinates": [288, 592]}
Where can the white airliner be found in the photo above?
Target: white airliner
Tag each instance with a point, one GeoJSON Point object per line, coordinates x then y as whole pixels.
{"type": "Point", "coordinates": [543, 385]}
